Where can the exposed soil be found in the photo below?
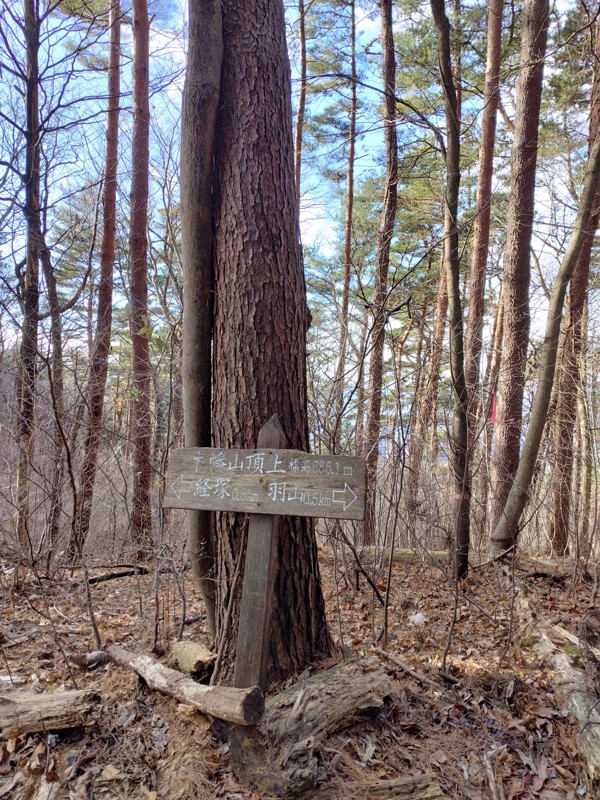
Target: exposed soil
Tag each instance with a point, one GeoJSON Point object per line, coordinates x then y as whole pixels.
{"type": "Point", "coordinates": [490, 727]}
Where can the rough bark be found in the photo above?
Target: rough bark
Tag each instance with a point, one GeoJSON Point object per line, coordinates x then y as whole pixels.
{"type": "Point", "coordinates": [459, 446]}
{"type": "Point", "coordinates": [571, 351]}
{"type": "Point", "coordinates": [505, 533]}
{"type": "Point", "coordinates": [101, 346]}
{"type": "Point", "coordinates": [200, 102]}
{"type": "Point", "coordinates": [505, 456]}
{"type": "Point", "coordinates": [239, 706]}
{"type": "Point", "coordinates": [261, 317]}
{"type": "Point", "coordinates": [380, 289]}
{"type": "Point", "coordinates": [27, 713]}
{"type": "Point", "coordinates": [141, 417]}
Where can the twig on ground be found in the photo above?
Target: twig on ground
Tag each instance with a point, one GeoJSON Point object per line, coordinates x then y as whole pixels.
{"type": "Point", "coordinates": [419, 676]}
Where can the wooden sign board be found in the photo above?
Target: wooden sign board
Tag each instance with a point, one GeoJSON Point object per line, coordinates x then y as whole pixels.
{"type": "Point", "coordinates": [266, 481]}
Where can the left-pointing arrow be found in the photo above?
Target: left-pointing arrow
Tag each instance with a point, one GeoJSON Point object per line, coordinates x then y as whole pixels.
{"type": "Point", "coordinates": [181, 486]}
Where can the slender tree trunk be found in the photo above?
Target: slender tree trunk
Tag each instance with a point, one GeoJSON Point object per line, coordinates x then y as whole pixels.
{"type": "Point", "coordinates": [340, 372]}
{"type": "Point", "coordinates": [571, 351]}
{"type": "Point", "coordinates": [380, 290]}
{"type": "Point", "coordinates": [299, 130]}
{"type": "Point", "coordinates": [30, 285]}
{"type": "Point", "coordinates": [484, 409]}
{"type": "Point", "coordinates": [483, 209]}
{"type": "Point", "coordinates": [360, 387]}
{"type": "Point", "coordinates": [56, 375]}
{"type": "Point", "coordinates": [427, 396]}
{"type": "Point", "coordinates": [505, 455]}
{"type": "Point", "coordinates": [101, 346]}
{"type": "Point", "coordinates": [261, 318]}
{"type": "Point", "coordinates": [460, 461]}
{"type": "Point", "coordinates": [505, 534]}
{"type": "Point", "coordinates": [141, 417]}
{"type": "Point", "coordinates": [200, 104]}
{"type": "Point", "coordinates": [586, 472]}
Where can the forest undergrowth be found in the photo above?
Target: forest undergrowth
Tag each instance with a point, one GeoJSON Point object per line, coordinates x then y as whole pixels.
{"type": "Point", "coordinates": [473, 700]}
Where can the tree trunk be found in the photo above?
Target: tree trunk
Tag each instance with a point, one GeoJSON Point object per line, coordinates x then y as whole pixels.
{"type": "Point", "coordinates": [30, 287]}
{"type": "Point", "coordinates": [459, 445]}
{"type": "Point", "coordinates": [571, 351]}
{"type": "Point", "coordinates": [505, 455]}
{"type": "Point", "coordinates": [483, 209]}
{"type": "Point", "coordinates": [261, 318]}
{"type": "Point", "coordinates": [200, 102]}
{"type": "Point", "coordinates": [56, 378]}
{"type": "Point", "coordinates": [380, 289]}
{"type": "Point", "coordinates": [101, 347]}
{"type": "Point", "coordinates": [141, 418]}
{"type": "Point", "coordinates": [340, 372]}
{"type": "Point", "coordinates": [505, 534]}
{"type": "Point", "coordinates": [426, 401]}
{"type": "Point", "coordinates": [299, 130]}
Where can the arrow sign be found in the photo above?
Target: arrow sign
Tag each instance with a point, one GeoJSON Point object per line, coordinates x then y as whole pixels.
{"type": "Point", "coordinates": [266, 481]}
{"type": "Point", "coordinates": [347, 497]}
{"type": "Point", "coordinates": [181, 486]}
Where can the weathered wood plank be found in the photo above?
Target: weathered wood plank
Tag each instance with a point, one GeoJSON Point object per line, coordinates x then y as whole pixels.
{"type": "Point", "coordinates": [266, 481]}
{"type": "Point", "coordinates": [252, 649]}
{"type": "Point", "coordinates": [29, 713]}
{"type": "Point", "coordinates": [240, 706]}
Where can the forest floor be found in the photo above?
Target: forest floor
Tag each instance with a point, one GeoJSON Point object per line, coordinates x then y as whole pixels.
{"type": "Point", "coordinates": [492, 729]}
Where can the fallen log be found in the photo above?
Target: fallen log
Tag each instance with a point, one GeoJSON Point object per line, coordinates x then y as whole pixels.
{"type": "Point", "coordinates": [239, 706]}
{"type": "Point", "coordinates": [282, 754]}
{"type": "Point", "coordinates": [29, 713]}
{"type": "Point", "coordinates": [584, 706]}
{"type": "Point", "coordinates": [572, 688]}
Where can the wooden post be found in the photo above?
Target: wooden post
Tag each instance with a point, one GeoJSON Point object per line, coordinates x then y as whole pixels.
{"type": "Point", "coordinates": [257, 591]}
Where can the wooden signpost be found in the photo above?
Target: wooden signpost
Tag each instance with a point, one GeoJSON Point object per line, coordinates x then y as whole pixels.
{"type": "Point", "coordinates": [265, 483]}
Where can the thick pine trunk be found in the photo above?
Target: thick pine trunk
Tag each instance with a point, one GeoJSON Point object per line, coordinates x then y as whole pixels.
{"type": "Point", "coordinates": [141, 417]}
{"type": "Point", "coordinates": [200, 102]}
{"type": "Point", "coordinates": [101, 346]}
{"type": "Point", "coordinates": [505, 456]}
{"type": "Point", "coordinates": [380, 289]}
{"type": "Point", "coordinates": [261, 318]}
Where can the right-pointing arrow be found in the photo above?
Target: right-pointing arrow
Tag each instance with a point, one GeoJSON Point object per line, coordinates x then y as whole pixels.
{"type": "Point", "coordinates": [347, 497]}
